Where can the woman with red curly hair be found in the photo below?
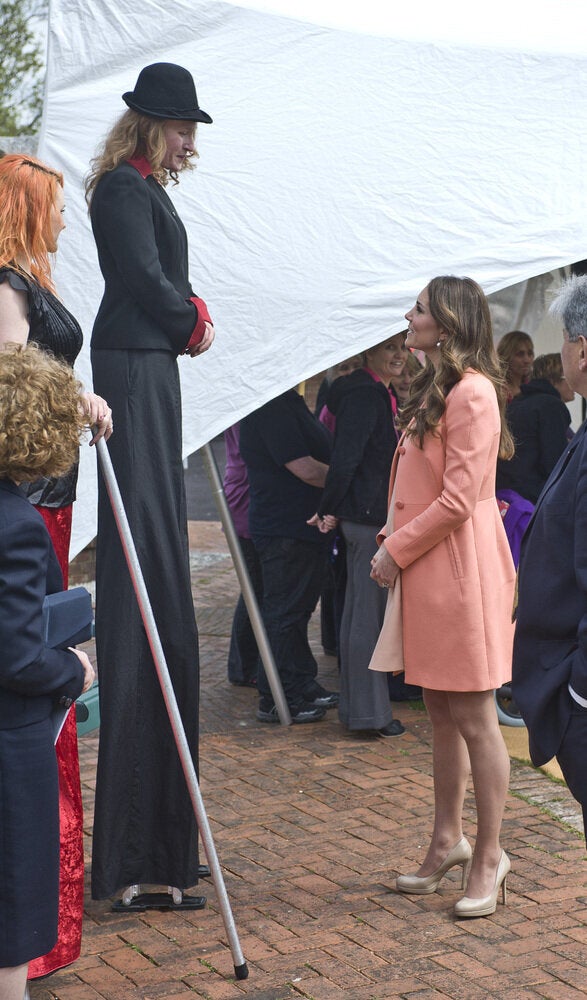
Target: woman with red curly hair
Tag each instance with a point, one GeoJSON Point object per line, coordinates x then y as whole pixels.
{"type": "Point", "coordinates": [32, 205]}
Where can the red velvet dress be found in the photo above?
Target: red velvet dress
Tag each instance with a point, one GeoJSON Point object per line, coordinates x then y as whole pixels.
{"type": "Point", "coordinates": [71, 872]}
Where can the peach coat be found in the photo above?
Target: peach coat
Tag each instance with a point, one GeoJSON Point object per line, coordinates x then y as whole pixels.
{"type": "Point", "coordinates": [457, 572]}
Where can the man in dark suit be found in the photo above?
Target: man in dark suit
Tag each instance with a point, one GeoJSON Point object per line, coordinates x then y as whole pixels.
{"type": "Point", "coordinates": [550, 647]}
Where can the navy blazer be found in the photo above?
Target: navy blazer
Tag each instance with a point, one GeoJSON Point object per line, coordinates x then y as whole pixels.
{"type": "Point", "coordinates": [143, 254]}
{"type": "Point", "coordinates": [32, 676]}
{"type": "Point", "coordinates": [550, 645]}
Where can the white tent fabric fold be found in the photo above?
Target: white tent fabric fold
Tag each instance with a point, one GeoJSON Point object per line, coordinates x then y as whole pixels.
{"type": "Point", "coordinates": [354, 154]}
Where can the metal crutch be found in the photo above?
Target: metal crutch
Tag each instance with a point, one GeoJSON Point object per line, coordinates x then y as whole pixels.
{"type": "Point", "coordinates": [240, 966]}
{"type": "Point", "coordinates": [248, 593]}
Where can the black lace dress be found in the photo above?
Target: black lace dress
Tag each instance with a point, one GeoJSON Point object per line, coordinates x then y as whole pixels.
{"type": "Point", "coordinates": [54, 328]}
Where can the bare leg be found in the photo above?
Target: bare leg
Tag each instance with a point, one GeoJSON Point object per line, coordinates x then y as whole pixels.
{"type": "Point", "coordinates": [474, 714]}
{"type": "Point", "coordinates": [451, 771]}
{"type": "Point", "coordinates": [13, 982]}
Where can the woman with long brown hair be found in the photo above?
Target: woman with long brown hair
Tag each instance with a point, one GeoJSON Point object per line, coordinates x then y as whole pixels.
{"type": "Point", "coordinates": [32, 206]}
{"type": "Point", "coordinates": [516, 353]}
{"type": "Point", "coordinates": [445, 537]}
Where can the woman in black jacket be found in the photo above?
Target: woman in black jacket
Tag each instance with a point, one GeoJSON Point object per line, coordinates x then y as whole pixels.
{"type": "Point", "coordinates": [539, 421]}
{"type": "Point", "coordinates": [355, 494]}
{"type": "Point", "coordinates": [144, 826]}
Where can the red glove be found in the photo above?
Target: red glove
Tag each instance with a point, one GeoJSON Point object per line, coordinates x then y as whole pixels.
{"type": "Point", "coordinates": [200, 327]}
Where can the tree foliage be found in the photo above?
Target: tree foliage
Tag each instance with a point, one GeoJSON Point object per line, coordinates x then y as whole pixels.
{"type": "Point", "coordinates": [21, 66]}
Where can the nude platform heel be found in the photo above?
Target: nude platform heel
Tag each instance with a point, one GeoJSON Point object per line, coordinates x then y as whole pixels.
{"type": "Point", "coordinates": [467, 907]}
{"type": "Point", "coordinates": [421, 885]}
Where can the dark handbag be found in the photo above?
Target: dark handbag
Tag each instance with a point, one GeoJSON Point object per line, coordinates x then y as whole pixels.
{"type": "Point", "coordinates": [67, 620]}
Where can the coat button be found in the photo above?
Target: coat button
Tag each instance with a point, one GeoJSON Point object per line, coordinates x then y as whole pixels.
{"type": "Point", "coordinates": [66, 702]}
{"type": "Point", "coordinates": [399, 504]}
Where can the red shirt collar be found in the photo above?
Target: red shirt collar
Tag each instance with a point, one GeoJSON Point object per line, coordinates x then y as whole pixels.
{"type": "Point", "coordinates": [141, 164]}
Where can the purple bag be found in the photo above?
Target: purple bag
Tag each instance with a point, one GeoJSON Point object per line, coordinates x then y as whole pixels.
{"type": "Point", "coordinates": [516, 513]}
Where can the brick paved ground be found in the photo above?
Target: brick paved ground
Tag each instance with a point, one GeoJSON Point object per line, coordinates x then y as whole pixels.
{"type": "Point", "coordinates": [311, 827]}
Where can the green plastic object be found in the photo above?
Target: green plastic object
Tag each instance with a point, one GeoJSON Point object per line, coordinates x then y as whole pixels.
{"type": "Point", "coordinates": [90, 700]}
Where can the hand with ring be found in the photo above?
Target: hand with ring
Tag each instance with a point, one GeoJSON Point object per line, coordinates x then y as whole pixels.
{"type": "Point", "coordinates": [99, 415]}
{"type": "Point", "coordinates": [384, 569]}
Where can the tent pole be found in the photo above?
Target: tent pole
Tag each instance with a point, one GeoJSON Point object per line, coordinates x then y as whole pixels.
{"type": "Point", "coordinates": [240, 966]}
{"type": "Point", "coordinates": [248, 593]}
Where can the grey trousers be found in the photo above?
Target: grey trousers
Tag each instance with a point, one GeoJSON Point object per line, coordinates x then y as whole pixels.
{"type": "Point", "coordinates": [364, 694]}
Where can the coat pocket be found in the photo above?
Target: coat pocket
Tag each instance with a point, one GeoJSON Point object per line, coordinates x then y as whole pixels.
{"type": "Point", "coordinates": [455, 558]}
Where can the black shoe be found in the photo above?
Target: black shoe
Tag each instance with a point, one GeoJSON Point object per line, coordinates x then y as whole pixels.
{"type": "Point", "coordinates": [158, 901]}
{"type": "Point", "coordinates": [393, 728]}
{"type": "Point", "coordinates": [319, 697]}
{"type": "Point", "coordinates": [246, 683]}
{"type": "Point", "coordinates": [329, 699]}
{"type": "Point", "coordinates": [303, 713]}
{"type": "Point", "coordinates": [267, 714]}
{"type": "Point", "coordinates": [307, 713]}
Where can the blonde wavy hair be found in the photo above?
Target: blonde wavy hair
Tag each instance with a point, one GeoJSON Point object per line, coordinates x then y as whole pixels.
{"type": "Point", "coordinates": [460, 308]}
{"type": "Point", "coordinates": [41, 419]}
{"type": "Point", "coordinates": [133, 136]}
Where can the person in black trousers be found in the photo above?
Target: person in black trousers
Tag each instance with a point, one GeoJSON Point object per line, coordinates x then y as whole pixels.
{"type": "Point", "coordinates": [145, 830]}
{"type": "Point", "coordinates": [355, 494]}
{"type": "Point", "coordinates": [286, 450]}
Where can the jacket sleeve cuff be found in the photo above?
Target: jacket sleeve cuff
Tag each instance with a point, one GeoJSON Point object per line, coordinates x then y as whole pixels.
{"type": "Point", "coordinates": [577, 697]}
{"type": "Point", "coordinates": [578, 680]}
{"type": "Point", "coordinates": [392, 547]}
{"type": "Point", "coordinates": [203, 317]}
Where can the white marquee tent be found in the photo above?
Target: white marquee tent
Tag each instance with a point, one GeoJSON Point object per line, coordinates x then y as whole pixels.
{"type": "Point", "coordinates": [357, 150]}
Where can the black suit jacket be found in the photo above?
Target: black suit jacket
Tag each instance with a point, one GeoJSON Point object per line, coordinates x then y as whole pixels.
{"type": "Point", "coordinates": [32, 676]}
{"type": "Point", "coordinates": [143, 254]}
{"type": "Point", "coordinates": [539, 422]}
{"type": "Point", "coordinates": [550, 645]}
{"type": "Point", "coordinates": [365, 440]}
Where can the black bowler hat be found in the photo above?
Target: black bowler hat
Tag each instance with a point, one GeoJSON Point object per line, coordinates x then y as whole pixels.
{"type": "Point", "coordinates": [164, 90]}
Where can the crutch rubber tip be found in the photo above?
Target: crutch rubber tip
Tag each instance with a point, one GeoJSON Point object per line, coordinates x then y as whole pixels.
{"type": "Point", "coordinates": [241, 971]}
